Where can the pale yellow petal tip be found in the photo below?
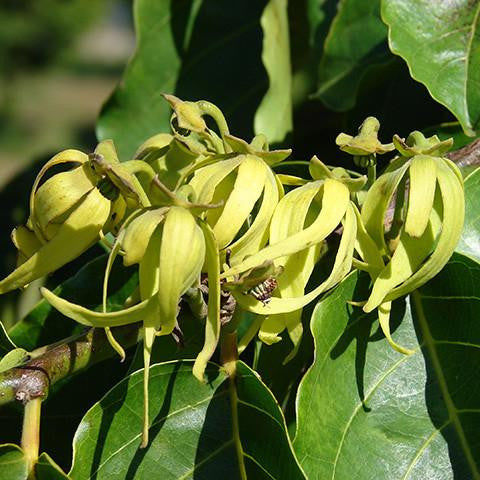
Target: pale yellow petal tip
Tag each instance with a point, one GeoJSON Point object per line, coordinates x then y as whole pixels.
{"type": "Point", "coordinates": [398, 348]}
{"type": "Point", "coordinates": [115, 345]}
{"type": "Point", "coordinates": [199, 370]}
{"type": "Point", "coordinates": [269, 338]}
{"type": "Point", "coordinates": [357, 304]}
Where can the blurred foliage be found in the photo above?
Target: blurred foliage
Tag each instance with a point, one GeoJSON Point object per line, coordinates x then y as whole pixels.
{"type": "Point", "coordinates": [33, 34]}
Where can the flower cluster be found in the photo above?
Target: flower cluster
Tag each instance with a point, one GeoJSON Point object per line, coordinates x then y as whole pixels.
{"type": "Point", "coordinates": [205, 215]}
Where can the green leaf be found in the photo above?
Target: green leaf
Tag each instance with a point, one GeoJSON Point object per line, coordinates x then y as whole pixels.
{"type": "Point", "coordinates": [45, 325]}
{"type": "Point", "coordinates": [274, 115]}
{"type": "Point", "coordinates": [47, 469]}
{"type": "Point", "coordinates": [366, 411]}
{"type": "Point", "coordinates": [13, 464]}
{"type": "Point", "coordinates": [197, 50]}
{"type": "Point", "coordinates": [355, 43]}
{"type": "Point", "coordinates": [13, 358]}
{"type": "Point", "coordinates": [441, 45]}
{"type": "Point", "coordinates": [469, 243]}
{"type": "Point", "coordinates": [191, 429]}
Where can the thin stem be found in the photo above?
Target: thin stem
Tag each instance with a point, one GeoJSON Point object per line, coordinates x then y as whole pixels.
{"type": "Point", "coordinates": [236, 429]}
{"type": "Point", "coordinates": [371, 175]}
{"type": "Point", "coordinates": [31, 434]}
{"type": "Point", "coordinates": [214, 112]}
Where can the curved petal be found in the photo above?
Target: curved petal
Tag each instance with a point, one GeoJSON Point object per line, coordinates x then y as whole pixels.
{"type": "Point", "coordinates": [367, 248]}
{"type": "Point", "coordinates": [239, 204]}
{"type": "Point", "coordinates": [384, 320]}
{"type": "Point", "coordinates": [206, 179]}
{"type": "Point", "coordinates": [453, 200]}
{"type": "Point", "coordinates": [138, 232]}
{"type": "Point", "coordinates": [257, 234]}
{"type": "Point", "coordinates": [423, 180]}
{"type": "Point", "coordinates": [334, 204]}
{"type": "Point", "coordinates": [410, 253]}
{"type": "Point", "coordinates": [67, 156]}
{"type": "Point", "coordinates": [182, 254]}
{"type": "Point", "coordinates": [212, 326]}
{"type": "Point", "coordinates": [92, 318]}
{"type": "Point", "coordinates": [377, 201]}
{"type": "Point", "coordinates": [341, 267]}
{"type": "Point", "coordinates": [74, 236]}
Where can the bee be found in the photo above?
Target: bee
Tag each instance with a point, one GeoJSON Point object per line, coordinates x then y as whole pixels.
{"type": "Point", "coordinates": [263, 291]}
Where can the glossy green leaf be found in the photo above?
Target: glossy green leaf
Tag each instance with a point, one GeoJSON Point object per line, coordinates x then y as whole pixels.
{"type": "Point", "coordinates": [44, 324]}
{"type": "Point", "coordinates": [441, 45]}
{"type": "Point", "coordinates": [180, 45]}
{"type": "Point", "coordinates": [13, 358]}
{"type": "Point", "coordinates": [47, 469]}
{"type": "Point", "coordinates": [469, 243]}
{"type": "Point", "coordinates": [191, 429]}
{"type": "Point", "coordinates": [366, 411]}
{"type": "Point", "coordinates": [13, 464]}
{"type": "Point", "coordinates": [274, 115]}
{"type": "Point", "coordinates": [356, 42]}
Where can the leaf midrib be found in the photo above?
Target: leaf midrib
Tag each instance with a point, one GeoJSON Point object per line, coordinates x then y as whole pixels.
{"type": "Point", "coordinates": [437, 367]}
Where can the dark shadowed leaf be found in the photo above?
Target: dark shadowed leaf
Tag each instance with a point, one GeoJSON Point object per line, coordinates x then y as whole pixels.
{"type": "Point", "coordinates": [470, 242]}
{"type": "Point", "coordinates": [197, 50]}
{"type": "Point", "coordinates": [13, 465]}
{"type": "Point", "coordinates": [47, 469]}
{"type": "Point", "coordinates": [366, 411]}
{"type": "Point", "coordinates": [355, 43]}
{"type": "Point", "coordinates": [6, 343]}
{"type": "Point", "coordinates": [191, 429]}
{"type": "Point", "coordinates": [440, 42]}
{"type": "Point", "coordinates": [45, 325]}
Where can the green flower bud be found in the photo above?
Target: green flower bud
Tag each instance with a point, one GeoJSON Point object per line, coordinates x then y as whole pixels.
{"type": "Point", "coordinates": [366, 142]}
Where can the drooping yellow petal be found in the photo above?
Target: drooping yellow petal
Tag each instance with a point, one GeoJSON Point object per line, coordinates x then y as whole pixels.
{"type": "Point", "coordinates": [257, 234]}
{"type": "Point", "coordinates": [367, 248]}
{"type": "Point", "coordinates": [410, 253]}
{"type": "Point", "coordinates": [58, 196]}
{"type": "Point", "coordinates": [341, 267]}
{"type": "Point", "coordinates": [67, 156]}
{"type": "Point", "coordinates": [247, 189]}
{"type": "Point", "coordinates": [149, 277]}
{"type": "Point", "coordinates": [111, 339]}
{"type": "Point", "coordinates": [334, 204]}
{"type": "Point", "coordinates": [212, 326]}
{"type": "Point", "coordinates": [206, 179]}
{"type": "Point", "coordinates": [453, 200]}
{"type": "Point", "coordinates": [26, 242]}
{"type": "Point", "coordinates": [384, 319]}
{"type": "Point", "coordinates": [138, 232]}
{"type": "Point", "coordinates": [76, 234]}
{"type": "Point", "coordinates": [423, 180]}
{"type": "Point", "coordinates": [377, 201]}
{"type": "Point", "coordinates": [91, 318]}
{"type": "Point", "coordinates": [182, 254]}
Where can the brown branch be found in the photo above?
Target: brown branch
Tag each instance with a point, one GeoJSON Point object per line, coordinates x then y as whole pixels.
{"type": "Point", "coordinates": [48, 365]}
{"type": "Point", "coordinates": [467, 156]}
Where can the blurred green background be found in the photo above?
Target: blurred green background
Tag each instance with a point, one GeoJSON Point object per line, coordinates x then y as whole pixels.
{"type": "Point", "coordinates": [59, 62]}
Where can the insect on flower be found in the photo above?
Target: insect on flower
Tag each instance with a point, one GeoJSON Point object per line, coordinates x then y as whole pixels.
{"type": "Point", "coordinates": [263, 291]}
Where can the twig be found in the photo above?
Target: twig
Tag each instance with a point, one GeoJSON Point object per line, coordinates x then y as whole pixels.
{"type": "Point", "coordinates": [33, 379]}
